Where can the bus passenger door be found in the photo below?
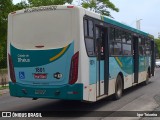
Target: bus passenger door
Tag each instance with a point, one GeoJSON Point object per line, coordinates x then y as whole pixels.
{"type": "Point", "coordinates": [135, 59]}
{"type": "Point", "coordinates": [102, 61]}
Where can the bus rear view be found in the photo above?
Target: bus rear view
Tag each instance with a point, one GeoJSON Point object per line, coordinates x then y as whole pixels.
{"type": "Point", "coordinates": [42, 61]}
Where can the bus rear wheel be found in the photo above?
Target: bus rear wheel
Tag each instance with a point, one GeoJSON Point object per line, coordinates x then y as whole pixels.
{"type": "Point", "coordinates": [147, 78]}
{"type": "Point", "coordinates": [118, 88]}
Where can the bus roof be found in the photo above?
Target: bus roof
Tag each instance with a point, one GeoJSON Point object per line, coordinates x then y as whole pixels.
{"type": "Point", "coordinates": [104, 18]}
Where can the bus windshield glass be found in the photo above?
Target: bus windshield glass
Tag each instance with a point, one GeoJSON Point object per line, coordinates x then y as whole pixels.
{"type": "Point", "coordinates": [51, 29]}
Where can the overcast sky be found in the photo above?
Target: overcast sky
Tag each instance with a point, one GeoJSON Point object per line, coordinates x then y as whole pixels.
{"type": "Point", "coordinates": [132, 10]}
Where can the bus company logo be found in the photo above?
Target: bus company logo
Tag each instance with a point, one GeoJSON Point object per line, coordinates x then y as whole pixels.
{"type": "Point", "coordinates": [6, 114]}
{"type": "Point", "coordinates": [20, 115]}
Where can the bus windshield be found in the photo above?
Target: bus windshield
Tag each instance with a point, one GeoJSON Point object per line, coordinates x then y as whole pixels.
{"type": "Point", "coordinates": [52, 29]}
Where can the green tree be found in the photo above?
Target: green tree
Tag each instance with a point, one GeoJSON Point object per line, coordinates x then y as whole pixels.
{"type": "Point", "coordinates": [100, 6]}
{"type": "Point", "coordinates": [6, 6]}
{"type": "Point", "coordinates": [35, 3]}
{"type": "Point", "coordinates": [157, 42]}
{"type": "Point", "coordinates": [21, 5]}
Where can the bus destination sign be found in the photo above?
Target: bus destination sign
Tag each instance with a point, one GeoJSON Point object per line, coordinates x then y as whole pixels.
{"type": "Point", "coordinates": [44, 8]}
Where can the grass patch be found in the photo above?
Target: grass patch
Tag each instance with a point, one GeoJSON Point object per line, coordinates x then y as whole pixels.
{"type": "Point", "coordinates": [4, 87]}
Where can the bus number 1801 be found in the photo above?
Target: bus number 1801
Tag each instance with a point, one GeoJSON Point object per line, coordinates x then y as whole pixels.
{"type": "Point", "coordinates": [40, 69]}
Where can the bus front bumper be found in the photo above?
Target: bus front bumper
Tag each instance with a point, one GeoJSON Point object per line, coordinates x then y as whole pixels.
{"type": "Point", "coordinates": [66, 92]}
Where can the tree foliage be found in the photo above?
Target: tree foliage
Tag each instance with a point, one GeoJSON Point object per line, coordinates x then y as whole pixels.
{"type": "Point", "coordinates": [157, 42]}
{"type": "Point", "coordinates": [6, 6]}
{"type": "Point", "coordinates": [100, 6]}
{"type": "Point", "coordinates": [20, 5]}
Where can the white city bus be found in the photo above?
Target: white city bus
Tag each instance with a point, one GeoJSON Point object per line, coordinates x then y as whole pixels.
{"type": "Point", "coordinates": [70, 53]}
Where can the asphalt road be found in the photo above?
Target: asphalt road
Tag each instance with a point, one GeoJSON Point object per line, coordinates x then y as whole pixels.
{"type": "Point", "coordinates": [137, 98]}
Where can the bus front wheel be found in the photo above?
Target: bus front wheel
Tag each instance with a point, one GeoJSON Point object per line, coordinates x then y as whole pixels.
{"type": "Point", "coordinates": [118, 88]}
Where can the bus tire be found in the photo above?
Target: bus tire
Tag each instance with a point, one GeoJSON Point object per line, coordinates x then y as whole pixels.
{"type": "Point", "coordinates": [118, 88]}
{"type": "Point", "coordinates": [146, 82]}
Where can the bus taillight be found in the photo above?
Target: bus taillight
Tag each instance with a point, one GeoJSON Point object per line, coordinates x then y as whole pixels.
{"type": "Point", "coordinates": [74, 69]}
{"type": "Point", "coordinates": [11, 69]}
{"type": "Point", "coordinates": [70, 6]}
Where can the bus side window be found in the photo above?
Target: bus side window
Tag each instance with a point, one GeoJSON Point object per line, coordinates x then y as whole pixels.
{"type": "Point", "coordinates": [111, 41]}
{"type": "Point", "coordinates": [89, 46]}
{"type": "Point", "coordinates": [117, 48]}
{"type": "Point", "coordinates": [128, 38]}
{"type": "Point", "coordinates": [127, 49]}
{"type": "Point", "coordinates": [118, 35]}
{"type": "Point", "coordinates": [126, 44]}
{"type": "Point", "coordinates": [88, 37]}
{"type": "Point", "coordinates": [85, 27]}
{"type": "Point", "coordinates": [118, 42]}
{"type": "Point", "coordinates": [148, 44]}
{"type": "Point", "coordinates": [140, 46]}
{"type": "Point", "coordinates": [143, 46]}
{"type": "Point", "coordinates": [124, 37]}
{"type": "Point", "coordinates": [90, 27]}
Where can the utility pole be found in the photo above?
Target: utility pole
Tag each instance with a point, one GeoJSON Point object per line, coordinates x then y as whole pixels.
{"type": "Point", "coordinates": [159, 35]}
{"type": "Point", "coordinates": [138, 24]}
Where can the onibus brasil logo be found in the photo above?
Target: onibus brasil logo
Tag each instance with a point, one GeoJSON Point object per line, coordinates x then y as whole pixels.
{"type": "Point", "coordinates": [21, 115]}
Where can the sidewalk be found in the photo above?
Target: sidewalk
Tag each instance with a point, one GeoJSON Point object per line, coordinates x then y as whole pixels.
{"type": "Point", "coordinates": [157, 99]}
{"type": "Point", "coordinates": [143, 103]}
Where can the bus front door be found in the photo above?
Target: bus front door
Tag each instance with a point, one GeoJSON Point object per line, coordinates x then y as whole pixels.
{"type": "Point", "coordinates": [102, 61]}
